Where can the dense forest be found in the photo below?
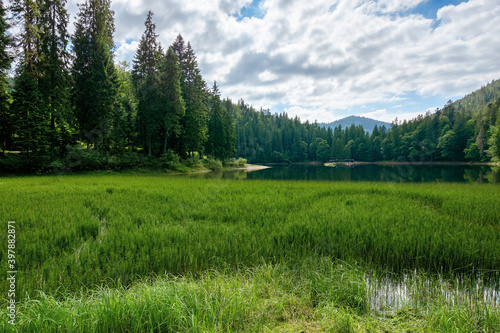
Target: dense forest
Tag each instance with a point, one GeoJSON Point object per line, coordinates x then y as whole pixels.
{"type": "Point", "coordinates": [70, 106]}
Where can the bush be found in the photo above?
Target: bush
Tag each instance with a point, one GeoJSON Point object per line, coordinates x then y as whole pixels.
{"type": "Point", "coordinates": [233, 162]}
{"type": "Point", "coordinates": [19, 163]}
{"type": "Point", "coordinates": [171, 160]}
{"type": "Point", "coordinates": [194, 162]}
{"type": "Point", "coordinates": [241, 162]}
{"type": "Point", "coordinates": [230, 162]}
{"type": "Point", "coordinates": [213, 164]}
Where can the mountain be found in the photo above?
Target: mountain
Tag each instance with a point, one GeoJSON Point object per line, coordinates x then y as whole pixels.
{"type": "Point", "coordinates": [368, 124]}
{"type": "Point", "coordinates": [480, 98]}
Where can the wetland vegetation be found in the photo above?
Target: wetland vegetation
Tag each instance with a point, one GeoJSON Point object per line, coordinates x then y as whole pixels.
{"type": "Point", "coordinates": [152, 252]}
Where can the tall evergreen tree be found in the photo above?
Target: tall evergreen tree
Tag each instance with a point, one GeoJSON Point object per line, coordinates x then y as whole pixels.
{"type": "Point", "coordinates": [172, 105]}
{"type": "Point", "coordinates": [194, 122]}
{"type": "Point", "coordinates": [146, 80]}
{"type": "Point", "coordinates": [53, 65]}
{"type": "Point", "coordinates": [93, 71]}
{"type": "Point", "coordinates": [229, 134]}
{"type": "Point", "coordinates": [5, 61]}
{"type": "Point", "coordinates": [125, 111]}
{"type": "Point", "coordinates": [30, 113]}
{"type": "Point", "coordinates": [215, 143]}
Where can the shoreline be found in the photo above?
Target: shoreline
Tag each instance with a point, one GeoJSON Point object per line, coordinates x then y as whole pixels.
{"type": "Point", "coordinates": [394, 163]}
{"type": "Point", "coordinates": [251, 167]}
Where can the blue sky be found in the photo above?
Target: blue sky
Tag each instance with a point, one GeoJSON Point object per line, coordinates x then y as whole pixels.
{"type": "Point", "coordinates": [429, 8]}
{"type": "Point", "coordinates": [326, 60]}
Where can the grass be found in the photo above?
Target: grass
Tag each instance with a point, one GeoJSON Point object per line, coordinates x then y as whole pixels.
{"type": "Point", "coordinates": [316, 295]}
{"type": "Point", "coordinates": [140, 253]}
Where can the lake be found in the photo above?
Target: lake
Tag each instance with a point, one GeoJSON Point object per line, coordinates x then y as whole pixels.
{"type": "Point", "coordinates": [370, 172]}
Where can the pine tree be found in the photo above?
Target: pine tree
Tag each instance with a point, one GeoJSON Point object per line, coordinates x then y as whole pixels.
{"type": "Point", "coordinates": [146, 80]}
{"type": "Point", "coordinates": [29, 112]}
{"type": "Point", "coordinates": [30, 115]}
{"type": "Point", "coordinates": [5, 61]}
{"type": "Point", "coordinates": [93, 71]}
{"type": "Point", "coordinates": [480, 139]}
{"type": "Point", "coordinates": [215, 142]}
{"type": "Point", "coordinates": [53, 65]}
{"type": "Point", "coordinates": [125, 110]}
{"type": "Point", "coordinates": [172, 107]}
{"type": "Point", "coordinates": [229, 134]}
{"type": "Point", "coordinates": [194, 122]}
{"type": "Point", "coordinates": [494, 139]}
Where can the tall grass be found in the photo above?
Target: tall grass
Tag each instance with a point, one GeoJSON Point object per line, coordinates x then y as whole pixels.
{"type": "Point", "coordinates": [314, 295]}
{"type": "Point", "coordinates": [76, 233]}
{"type": "Point", "coordinates": [264, 297]}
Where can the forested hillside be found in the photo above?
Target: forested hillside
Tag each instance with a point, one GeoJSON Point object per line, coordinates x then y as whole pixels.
{"type": "Point", "coordinates": [467, 130]}
{"type": "Point", "coordinates": [70, 106]}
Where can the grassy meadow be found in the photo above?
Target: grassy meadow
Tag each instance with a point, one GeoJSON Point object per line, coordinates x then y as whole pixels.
{"type": "Point", "coordinates": [156, 253]}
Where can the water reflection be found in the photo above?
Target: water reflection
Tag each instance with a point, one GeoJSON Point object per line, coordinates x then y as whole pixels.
{"type": "Point", "coordinates": [369, 172]}
{"type": "Point", "coordinates": [415, 290]}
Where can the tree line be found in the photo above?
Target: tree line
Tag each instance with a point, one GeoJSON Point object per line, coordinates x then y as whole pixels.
{"type": "Point", "coordinates": [69, 100]}
{"type": "Point", "coordinates": [68, 90]}
{"type": "Point", "coordinates": [453, 133]}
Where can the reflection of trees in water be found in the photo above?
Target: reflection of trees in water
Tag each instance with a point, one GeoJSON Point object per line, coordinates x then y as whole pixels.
{"type": "Point", "coordinates": [493, 175]}
{"type": "Point", "coordinates": [370, 172]}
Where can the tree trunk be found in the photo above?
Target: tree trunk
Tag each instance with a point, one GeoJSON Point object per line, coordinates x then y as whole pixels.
{"type": "Point", "coordinates": [149, 145]}
{"type": "Point", "coordinates": [165, 142]}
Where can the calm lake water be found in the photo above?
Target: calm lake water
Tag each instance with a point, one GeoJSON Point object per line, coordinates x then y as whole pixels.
{"type": "Point", "coordinates": [371, 172]}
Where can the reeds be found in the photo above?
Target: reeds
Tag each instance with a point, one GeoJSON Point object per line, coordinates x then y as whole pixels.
{"type": "Point", "coordinates": [81, 233]}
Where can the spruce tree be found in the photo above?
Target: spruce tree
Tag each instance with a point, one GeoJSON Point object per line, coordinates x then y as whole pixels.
{"type": "Point", "coordinates": [5, 61]}
{"type": "Point", "coordinates": [146, 80]}
{"type": "Point", "coordinates": [29, 112]}
{"type": "Point", "coordinates": [53, 65]}
{"type": "Point", "coordinates": [125, 110]}
{"type": "Point", "coordinates": [94, 90]}
{"type": "Point", "coordinates": [229, 134]}
{"type": "Point", "coordinates": [30, 115]}
{"type": "Point", "coordinates": [172, 106]}
{"type": "Point", "coordinates": [194, 122]}
{"type": "Point", "coordinates": [215, 141]}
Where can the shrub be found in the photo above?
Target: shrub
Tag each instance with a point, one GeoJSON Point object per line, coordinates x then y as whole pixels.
{"type": "Point", "coordinates": [213, 164]}
{"type": "Point", "coordinates": [194, 162]}
{"type": "Point", "coordinates": [241, 162]}
{"type": "Point", "coordinates": [171, 160]}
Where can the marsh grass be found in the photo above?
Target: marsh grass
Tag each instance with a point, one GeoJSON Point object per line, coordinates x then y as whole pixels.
{"type": "Point", "coordinates": [90, 245]}
{"type": "Point", "coordinates": [315, 295]}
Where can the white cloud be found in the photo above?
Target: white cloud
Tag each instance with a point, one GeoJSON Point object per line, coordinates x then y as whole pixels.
{"type": "Point", "coordinates": [127, 50]}
{"type": "Point", "coordinates": [267, 76]}
{"type": "Point", "coordinates": [389, 117]}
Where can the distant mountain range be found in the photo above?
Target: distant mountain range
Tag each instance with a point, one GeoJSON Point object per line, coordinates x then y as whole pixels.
{"type": "Point", "coordinates": [367, 123]}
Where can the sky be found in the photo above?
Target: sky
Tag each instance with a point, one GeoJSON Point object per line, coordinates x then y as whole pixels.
{"type": "Point", "coordinates": [325, 60]}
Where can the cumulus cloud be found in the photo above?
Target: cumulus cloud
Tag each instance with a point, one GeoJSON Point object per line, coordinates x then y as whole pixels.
{"type": "Point", "coordinates": [326, 56]}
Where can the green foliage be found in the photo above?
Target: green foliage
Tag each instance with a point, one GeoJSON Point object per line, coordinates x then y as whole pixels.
{"type": "Point", "coordinates": [108, 262]}
{"type": "Point", "coordinates": [30, 117]}
{"type": "Point", "coordinates": [191, 225]}
{"type": "Point", "coordinates": [145, 77]}
{"type": "Point", "coordinates": [194, 162]}
{"type": "Point", "coordinates": [170, 160]}
{"type": "Point", "coordinates": [5, 61]}
{"type": "Point", "coordinates": [93, 71]}
{"type": "Point", "coordinates": [54, 83]}
{"type": "Point", "coordinates": [194, 121]}
{"type": "Point", "coordinates": [447, 135]}
{"type": "Point", "coordinates": [221, 132]}
{"type": "Point", "coordinates": [213, 164]}
{"type": "Point", "coordinates": [233, 162]}
{"type": "Point", "coordinates": [172, 107]}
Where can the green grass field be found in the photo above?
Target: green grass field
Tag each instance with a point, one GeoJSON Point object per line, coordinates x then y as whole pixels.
{"type": "Point", "coordinates": [140, 253]}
